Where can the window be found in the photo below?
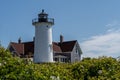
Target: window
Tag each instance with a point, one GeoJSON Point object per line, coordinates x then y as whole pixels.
{"type": "Point", "coordinates": [64, 60]}
{"type": "Point", "coordinates": [77, 52]}
{"type": "Point", "coordinates": [56, 59]}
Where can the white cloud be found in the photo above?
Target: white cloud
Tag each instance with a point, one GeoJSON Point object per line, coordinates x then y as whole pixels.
{"type": "Point", "coordinates": [107, 44]}
{"type": "Point", "coordinates": [113, 26]}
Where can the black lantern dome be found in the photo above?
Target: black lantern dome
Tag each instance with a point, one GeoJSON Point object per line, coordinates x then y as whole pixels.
{"type": "Point", "coordinates": [43, 17]}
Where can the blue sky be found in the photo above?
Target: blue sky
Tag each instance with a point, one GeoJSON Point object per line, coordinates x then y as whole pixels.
{"type": "Point", "coordinates": [94, 23]}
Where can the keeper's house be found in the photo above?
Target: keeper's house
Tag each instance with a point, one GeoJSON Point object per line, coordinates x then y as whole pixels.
{"type": "Point", "coordinates": [63, 51]}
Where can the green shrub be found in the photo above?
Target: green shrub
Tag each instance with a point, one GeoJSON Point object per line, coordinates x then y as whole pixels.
{"type": "Point", "coordinates": [15, 68]}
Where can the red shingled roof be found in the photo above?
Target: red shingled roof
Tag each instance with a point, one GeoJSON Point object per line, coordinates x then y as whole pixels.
{"type": "Point", "coordinates": [27, 47]}
{"type": "Point", "coordinates": [67, 46]}
{"type": "Point", "coordinates": [56, 47]}
{"type": "Point", "coordinates": [18, 47]}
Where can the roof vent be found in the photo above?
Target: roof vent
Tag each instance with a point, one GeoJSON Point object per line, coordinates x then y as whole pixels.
{"type": "Point", "coordinates": [19, 40]}
{"type": "Point", "coordinates": [61, 39]}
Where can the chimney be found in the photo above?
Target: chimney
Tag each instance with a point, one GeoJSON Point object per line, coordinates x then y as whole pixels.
{"type": "Point", "coordinates": [34, 39]}
{"type": "Point", "coordinates": [19, 40]}
{"type": "Point", "coordinates": [61, 39]}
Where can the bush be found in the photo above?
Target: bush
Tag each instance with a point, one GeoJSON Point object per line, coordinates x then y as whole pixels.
{"type": "Point", "coordinates": [15, 68]}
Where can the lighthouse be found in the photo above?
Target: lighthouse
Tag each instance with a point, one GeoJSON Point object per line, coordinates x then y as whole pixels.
{"type": "Point", "coordinates": [43, 49]}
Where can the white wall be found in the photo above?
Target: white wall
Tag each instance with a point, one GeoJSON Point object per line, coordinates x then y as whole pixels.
{"type": "Point", "coordinates": [75, 56]}
{"type": "Point", "coordinates": [43, 43]}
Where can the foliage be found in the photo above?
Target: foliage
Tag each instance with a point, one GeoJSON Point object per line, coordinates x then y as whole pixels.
{"type": "Point", "coordinates": [103, 68]}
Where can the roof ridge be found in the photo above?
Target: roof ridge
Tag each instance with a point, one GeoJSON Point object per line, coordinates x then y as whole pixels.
{"type": "Point", "coordinates": [27, 42]}
{"type": "Point", "coordinates": [68, 41]}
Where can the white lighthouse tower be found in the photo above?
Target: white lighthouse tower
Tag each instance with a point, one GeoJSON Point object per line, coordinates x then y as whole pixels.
{"type": "Point", "coordinates": [43, 50]}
